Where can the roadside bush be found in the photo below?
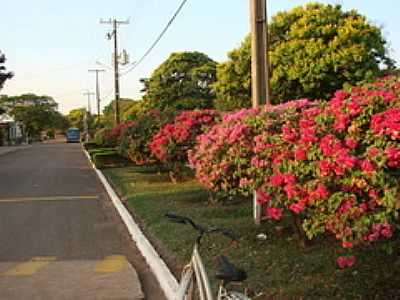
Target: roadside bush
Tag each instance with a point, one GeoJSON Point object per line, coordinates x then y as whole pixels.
{"type": "Point", "coordinates": [223, 152]}
{"type": "Point", "coordinates": [172, 142]}
{"type": "Point", "coordinates": [100, 137]}
{"type": "Point", "coordinates": [137, 135]}
{"type": "Point", "coordinates": [333, 165]}
{"type": "Point", "coordinates": [103, 157]}
{"type": "Point", "coordinates": [114, 136]}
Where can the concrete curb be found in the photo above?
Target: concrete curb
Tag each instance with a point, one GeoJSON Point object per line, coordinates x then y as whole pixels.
{"type": "Point", "coordinates": [164, 276]}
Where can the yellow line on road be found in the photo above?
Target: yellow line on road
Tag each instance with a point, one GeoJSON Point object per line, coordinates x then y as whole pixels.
{"type": "Point", "coordinates": [30, 267]}
{"type": "Point", "coordinates": [54, 198]}
{"type": "Point", "coordinates": [111, 264]}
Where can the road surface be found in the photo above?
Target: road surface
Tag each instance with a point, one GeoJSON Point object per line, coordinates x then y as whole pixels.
{"type": "Point", "coordinates": [59, 238]}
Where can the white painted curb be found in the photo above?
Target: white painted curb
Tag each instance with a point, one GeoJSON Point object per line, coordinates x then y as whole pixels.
{"type": "Point", "coordinates": [164, 276]}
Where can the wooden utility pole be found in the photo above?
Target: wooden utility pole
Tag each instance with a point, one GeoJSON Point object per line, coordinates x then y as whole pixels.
{"type": "Point", "coordinates": [97, 91]}
{"type": "Point", "coordinates": [259, 68]}
{"type": "Point", "coordinates": [87, 114]}
{"type": "Point", "coordinates": [114, 34]}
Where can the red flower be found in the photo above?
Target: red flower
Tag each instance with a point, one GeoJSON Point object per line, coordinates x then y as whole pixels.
{"type": "Point", "coordinates": [289, 178]}
{"type": "Point", "coordinates": [351, 143]}
{"type": "Point", "coordinates": [263, 197]}
{"type": "Point", "coordinates": [274, 213]}
{"type": "Point", "coordinates": [367, 166]}
{"type": "Point", "coordinates": [324, 167]}
{"type": "Point", "coordinates": [277, 180]}
{"type": "Point", "coordinates": [346, 261]}
{"type": "Point", "coordinates": [300, 154]}
{"type": "Point", "coordinates": [291, 191]}
{"type": "Point", "coordinates": [346, 244]}
{"type": "Point", "coordinates": [297, 207]}
{"type": "Point", "coordinates": [387, 231]}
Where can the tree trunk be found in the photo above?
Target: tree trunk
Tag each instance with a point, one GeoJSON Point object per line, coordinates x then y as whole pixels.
{"type": "Point", "coordinates": [299, 231]}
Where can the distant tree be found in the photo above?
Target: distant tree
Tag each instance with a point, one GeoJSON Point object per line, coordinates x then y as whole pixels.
{"type": "Point", "coordinates": [135, 110]}
{"type": "Point", "coordinates": [37, 113]}
{"type": "Point", "coordinates": [30, 99]}
{"type": "Point", "coordinates": [4, 75]}
{"type": "Point", "coordinates": [233, 85]}
{"type": "Point", "coordinates": [108, 117]}
{"type": "Point", "coordinates": [183, 81]}
{"type": "Point", "coordinates": [76, 118]}
{"type": "Point", "coordinates": [61, 122]}
{"type": "Point", "coordinates": [314, 50]}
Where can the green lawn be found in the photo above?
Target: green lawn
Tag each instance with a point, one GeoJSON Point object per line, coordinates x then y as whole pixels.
{"type": "Point", "coordinates": [277, 267]}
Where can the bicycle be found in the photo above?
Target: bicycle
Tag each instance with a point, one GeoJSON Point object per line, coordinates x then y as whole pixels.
{"type": "Point", "coordinates": [194, 283]}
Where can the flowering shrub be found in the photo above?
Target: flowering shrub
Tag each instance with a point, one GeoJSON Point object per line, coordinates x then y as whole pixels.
{"type": "Point", "coordinates": [222, 153]}
{"type": "Point", "coordinates": [171, 143]}
{"type": "Point", "coordinates": [334, 165]}
{"type": "Point", "coordinates": [136, 136]}
{"type": "Point", "coordinates": [223, 157]}
{"type": "Point", "coordinates": [100, 137]}
{"type": "Point", "coordinates": [114, 136]}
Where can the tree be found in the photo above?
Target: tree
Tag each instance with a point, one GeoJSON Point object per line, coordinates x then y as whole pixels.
{"type": "Point", "coordinates": [28, 100]}
{"type": "Point", "coordinates": [37, 113]}
{"type": "Point", "coordinates": [76, 118]}
{"type": "Point", "coordinates": [183, 81]}
{"type": "Point", "coordinates": [3, 74]}
{"type": "Point", "coordinates": [108, 118]}
{"type": "Point", "coordinates": [233, 85]}
{"type": "Point", "coordinates": [314, 50]}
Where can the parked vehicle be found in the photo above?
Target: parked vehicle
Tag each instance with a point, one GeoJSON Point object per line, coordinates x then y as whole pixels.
{"type": "Point", "coordinates": [73, 135]}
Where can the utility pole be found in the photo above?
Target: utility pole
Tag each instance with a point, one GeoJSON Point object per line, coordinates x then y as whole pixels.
{"type": "Point", "coordinates": [114, 34]}
{"type": "Point", "coordinates": [97, 91]}
{"type": "Point", "coordinates": [87, 115]}
{"type": "Point", "coordinates": [259, 68]}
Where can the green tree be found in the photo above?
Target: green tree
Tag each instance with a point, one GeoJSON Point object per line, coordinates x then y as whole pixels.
{"type": "Point", "coordinates": [37, 113]}
{"type": "Point", "coordinates": [108, 117]}
{"type": "Point", "coordinates": [76, 118]}
{"type": "Point", "coordinates": [4, 75]}
{"type": "Point", "coordinates": [135, 110]}
{"type": "Point", "coordinates": [28, 100]}
{"type": "Point", "coordinates": [314, 50]}
{"type": "Point", "coordinates": [183, 81]}
{"type": "Point", "coordinates": [35, 118]}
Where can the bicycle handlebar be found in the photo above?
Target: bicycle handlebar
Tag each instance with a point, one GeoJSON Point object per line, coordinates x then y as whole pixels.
{"type": "Point", "coordinates": [201, 229]}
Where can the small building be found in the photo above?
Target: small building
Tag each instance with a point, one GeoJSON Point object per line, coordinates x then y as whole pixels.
{"type": "Point", "coordinates": [11, 131]}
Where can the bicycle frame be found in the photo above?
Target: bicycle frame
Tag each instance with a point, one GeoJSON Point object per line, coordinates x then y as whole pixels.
{"type": "Point", "coordinates": [195, 270]}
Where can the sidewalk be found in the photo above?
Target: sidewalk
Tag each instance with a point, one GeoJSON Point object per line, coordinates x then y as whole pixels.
{"type": "Point", "coordinates": [8, 149]}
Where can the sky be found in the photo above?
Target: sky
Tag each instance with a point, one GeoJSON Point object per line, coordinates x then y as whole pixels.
{"type": "Point", "coordinates": [50, 45]}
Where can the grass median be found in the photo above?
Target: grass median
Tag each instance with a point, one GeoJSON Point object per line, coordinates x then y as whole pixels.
{"type": "Point", "coordinates": [277, 266]}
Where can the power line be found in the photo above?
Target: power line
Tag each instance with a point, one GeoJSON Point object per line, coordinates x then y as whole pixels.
{"type": "Point", "coordinates": [157, 39]}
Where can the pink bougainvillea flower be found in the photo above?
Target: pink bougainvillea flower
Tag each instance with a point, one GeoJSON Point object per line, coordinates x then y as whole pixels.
{"type": "Point", "coordinates": [297, 207]}
{"type": "Point", "coordinates": [351, 143]}
{"type": "Point", "coordinates": [346, 261]}
{"type": "Point", "coordinates": [300, 154]}
{"type": "Point", "coordinates": [277, 180]}
{"type": "Point", "coordinates": [263, 197]}
{"type": "Point", "coordinates": [274, 213]}
{"type": "Point", "coordinates": [367, 166]}
{"type": "Point", "coordinates": [347, 244]}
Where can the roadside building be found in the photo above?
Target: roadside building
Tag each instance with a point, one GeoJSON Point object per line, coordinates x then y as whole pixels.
{"type": "Point", "coordinates": [11, 132]}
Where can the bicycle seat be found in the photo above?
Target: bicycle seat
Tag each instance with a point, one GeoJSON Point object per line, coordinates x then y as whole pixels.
{"type": "Point", "coordinates": [226, 271]}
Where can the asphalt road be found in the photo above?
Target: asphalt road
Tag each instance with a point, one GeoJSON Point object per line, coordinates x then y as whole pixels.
{"type": "Point", "coordinates": [58, 240]}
